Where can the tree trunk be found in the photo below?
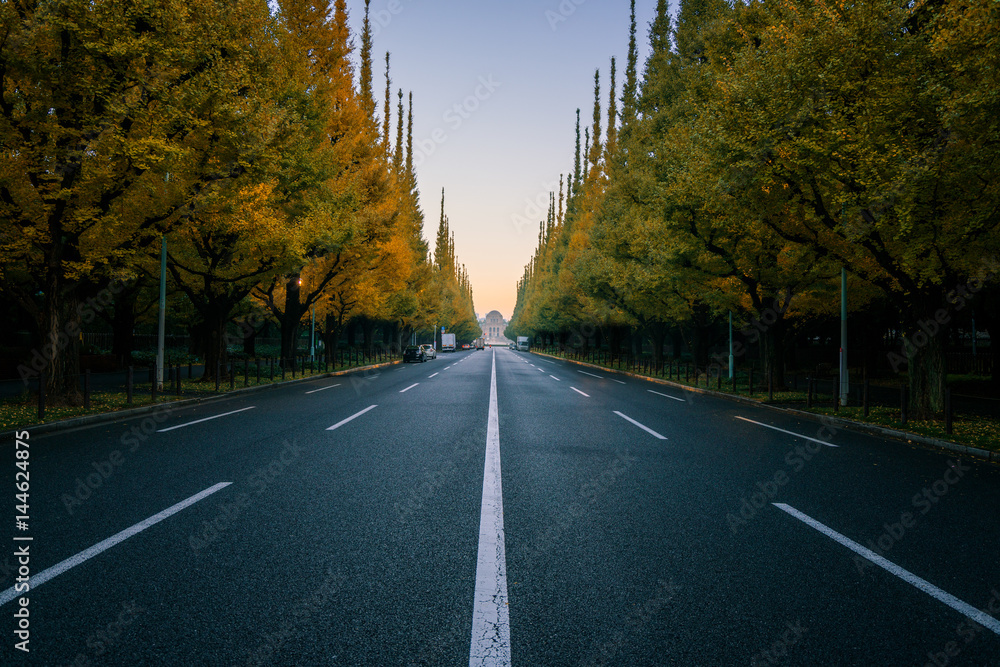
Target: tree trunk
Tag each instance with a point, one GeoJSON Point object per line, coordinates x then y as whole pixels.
{"type": "Point", "coordinates": [331, 336]}
{"type": "Point", "coordinates": [657, 336]}
{"type": "Point", "coordinates": [772, 345]}
{"type": "Point", "coordinates": [291, 318]}
{"type": "Point", "coordinates": [928, 373]}
{"type": "Point", "coordinates": [676, 343]}
{"type": "Point", "coordinates": [352, 333]}
{"type": "Point", "coordinates": [368, 336]}
{"type": "Point", "coordinates": [249, 337]}
{"type": "Point", "coordinates": [212, 334]}
{"type": "Point", "coordinates": [60, 349]}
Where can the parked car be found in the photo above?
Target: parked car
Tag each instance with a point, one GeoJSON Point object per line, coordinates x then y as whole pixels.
{"type": "Point", "coordinates": [429, 351]}
{"type": "Point", "coordinates": [414, 353]}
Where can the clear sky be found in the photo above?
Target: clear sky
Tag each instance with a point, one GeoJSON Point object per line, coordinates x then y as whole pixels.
{"type": "Point", "coordinates": [495, 90]}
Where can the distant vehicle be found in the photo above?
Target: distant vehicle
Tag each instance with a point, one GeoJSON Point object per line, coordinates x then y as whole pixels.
{"type": "Point", "coordinates": [522, 343]}
{"type": "Point", "coordinates": [414, 353]}
{"type": "Point", "coordinates": [429, 351]}
{"type": "Point", "coordinates": [511, 346]}
{"type": "Point", "coordinates": [479, 343]}
{"type": "Point", "coordinates": [447, 342]}
{"type": "Point", "coordinates": [465, 346]}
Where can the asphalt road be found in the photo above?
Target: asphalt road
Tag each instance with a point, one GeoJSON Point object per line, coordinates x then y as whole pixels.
{"type": "Point", "coordinates": [343, 521]}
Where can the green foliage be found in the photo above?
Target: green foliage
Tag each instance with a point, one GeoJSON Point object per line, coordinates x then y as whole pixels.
{"type": "Point", "coordinates": [770, 144]}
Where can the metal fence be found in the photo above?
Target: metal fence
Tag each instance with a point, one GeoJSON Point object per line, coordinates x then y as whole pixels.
{"type": "Point", "coordinates": [809, 390]}
{"type": "Point", "coordinates": [139, 386]}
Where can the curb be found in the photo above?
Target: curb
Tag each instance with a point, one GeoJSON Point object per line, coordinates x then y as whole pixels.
{"type": "Point", "coordinates": [104, 417]}
{"type": "Point", "coordinates": [984, 455]}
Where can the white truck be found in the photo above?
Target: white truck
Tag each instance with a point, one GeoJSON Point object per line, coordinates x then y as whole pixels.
{"type": "Point", "coordinates": [522, 343]}
{"type": "Point", "coordinates": [447, 342]}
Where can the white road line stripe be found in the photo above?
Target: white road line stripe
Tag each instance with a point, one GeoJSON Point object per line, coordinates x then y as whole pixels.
{"type": "Point", "coordinates": [963, 608]}
{"type": "Point", "coordinates": [490, 616]}
{"type": "Point", "coordinates": [540, 370]}
{"type": "Point", "coordinates": [323, 388]}
{"type": "Point", "coordinates": [580, 392]}
{"type": "Point", "coordinates": [430, 376]}
{"type": "Point", "coordinates": [775, 428]}
{"type": "Point", "coordinates": [555, 378]}
{"type": "Point", "coordinates": [644, 428]}
{"type": "Point", "coordinates": [85, 555]}
{"type": "Point", "coordinates": [198, 421]}
{"type": "Point", "coordinates": [409, 388]}
{"type": "Point", "coordinates": [600, 377]}
{"type": "Point", "coordinates": [618, 381]}
{"type": "Point", "coordinates": [354, 416]}
{"type": "Point", "coordinates": [666, 396]}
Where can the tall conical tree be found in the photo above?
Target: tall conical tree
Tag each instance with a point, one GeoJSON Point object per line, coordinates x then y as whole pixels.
{"type": "Point", "coordinates": [411, 175]}
{"type": "Point", "coordinates": [630, 89]}
{"type": "Point", "coordinates": [560, 217]}
{"type": "Point", "coordinates": [595, 148]}
{"type": "Point", "coordinates": [397, 158]}
{"type": "Point", "coordinates": [387, 109]}
{"type": "Point", "coordinates": [366, 91]}
{"type": "Point", "coordinates": [612, 138]}
{"type": "Point", "coordinates": [577, 175]}
{"type": "Point", "coordinates": [441, 252]}
{"type": "Point", "coordinates": [658, 75]}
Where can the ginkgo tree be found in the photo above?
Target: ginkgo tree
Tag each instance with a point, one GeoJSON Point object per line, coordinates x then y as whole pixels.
{"type": "Point", "coordinates": [861, 119]}
{"type": "Point", "coordinates": [99, 102]}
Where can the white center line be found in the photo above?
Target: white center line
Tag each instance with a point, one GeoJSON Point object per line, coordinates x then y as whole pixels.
{"type": "Point", "coordinates": [430, 376]}
{"type": "Point", "coordinates": [198, 421]}
{"type": "Point", "coordinates": [666, 396]}
{"type": "Point", "coordinates": [354, 416]}
{"type": "Point", "coordinates": [599, 377]}
{"type": "Point", "coordinates": [555, 378]}
{"type": "Point", "coordinates": [540, 370]}
{"type": "Point", "coordinates": [775, 428]}
{"type": "Point", "coordinates": [490, 616]}
{"type": "Point", "coordinates": [644, 428]}
{"type": "Point", "coordinates": [963, 608]}
{"type": "Point", "coordinates": [580, 392]}
{"type": "Point", "coordinates": [409, 388]}
{"type": "Point", "coordinates": [104, 545]}
{"type": "Point", "coordinates": [323, 388]}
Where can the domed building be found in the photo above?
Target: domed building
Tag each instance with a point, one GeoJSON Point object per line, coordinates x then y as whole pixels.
{"type": "Point", "coordinates": [493, 327]}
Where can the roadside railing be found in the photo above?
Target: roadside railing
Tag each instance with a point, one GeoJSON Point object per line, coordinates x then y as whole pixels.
{"type": "Point", "coordinates": [24, 400]}
{"type": "Point", "coordinates": [882, 401]}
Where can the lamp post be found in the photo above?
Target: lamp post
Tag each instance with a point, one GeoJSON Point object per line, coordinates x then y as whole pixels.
{"type": "Point", "coordinates": [731, 358]}
{"type": "Point", "coordinates": [163, 313]}
{"type": "Point", "coordinates": [843, 336]}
